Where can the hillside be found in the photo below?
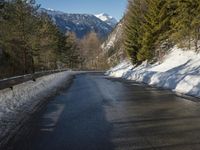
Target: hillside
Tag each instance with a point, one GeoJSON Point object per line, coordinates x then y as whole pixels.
{"type": "Point", "coordinates": [112, 49]}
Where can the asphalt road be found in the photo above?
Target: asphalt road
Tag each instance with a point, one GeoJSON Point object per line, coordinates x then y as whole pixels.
{"type": "Point", "coordinates": [100, 113]}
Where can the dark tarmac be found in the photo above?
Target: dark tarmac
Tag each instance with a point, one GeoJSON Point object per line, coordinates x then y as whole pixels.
{"type": "Point", "coordinates": [100, 113]}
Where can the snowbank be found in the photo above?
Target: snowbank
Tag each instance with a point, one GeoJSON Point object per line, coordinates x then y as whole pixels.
{"type": "Point", "coordinates": [179, 71]}
{"type": "Point", "coordinates": [24, 99]}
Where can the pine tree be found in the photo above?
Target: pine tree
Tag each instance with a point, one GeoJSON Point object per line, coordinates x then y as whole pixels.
{"type": "Point", "coordinates": [46, 43]}
{"type": "Point", "coordinates": [133, 30]}
{"type": "Point", "coordinates": [150, 23]}
{"type": "Point", "coordinates": [30, 41]}
{"type": "Point", "coordinates": [156, 24]}
{"type": "Point", "coordinates": [183, 21]}
{"type": "Point", "coordinates": [17, 30]}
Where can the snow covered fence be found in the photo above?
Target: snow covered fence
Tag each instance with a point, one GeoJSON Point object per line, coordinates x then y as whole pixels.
{"type": "Point", "coordinates": [179, 71]}
{"type": "Point", "coordinates": [23, 100]}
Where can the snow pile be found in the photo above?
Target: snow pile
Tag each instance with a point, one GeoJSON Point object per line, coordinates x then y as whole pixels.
{"type": "Point", "coordinates": [25, 98]}
{"type": "Point", "coordinates": [120, 69]}
{"type": "Point", "coordinates": [179, 71]}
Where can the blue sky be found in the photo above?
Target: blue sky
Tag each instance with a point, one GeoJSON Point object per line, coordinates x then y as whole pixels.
{"type": "Point", "coordinates": [114, 8]}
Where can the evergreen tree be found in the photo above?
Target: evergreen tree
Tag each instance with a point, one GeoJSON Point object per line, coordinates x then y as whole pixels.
{"type": "Point", "coordinates": [29, 40]}
{"type": "Point", "coordinates": [17, 30]}
{"type": "Point", "coordinates": [150, 23]}
{"type": "Point", "coordinates": [184, 25]}
{"type": "Point", "coordinates": [133, 29]}
{"type": "Point", "coordinates": [156, 25]}
{"type": "Point", "coordinates": [47, 44]}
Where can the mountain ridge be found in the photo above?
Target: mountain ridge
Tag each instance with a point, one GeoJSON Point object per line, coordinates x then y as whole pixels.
{"type": "Point", "coordinates": [81, 24]}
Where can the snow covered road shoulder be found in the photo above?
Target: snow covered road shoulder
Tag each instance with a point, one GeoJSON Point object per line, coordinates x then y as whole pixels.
{"type": "Point", "coordinates": [179, 71]}
{"type": "Point", "coordinates": [16, 104]}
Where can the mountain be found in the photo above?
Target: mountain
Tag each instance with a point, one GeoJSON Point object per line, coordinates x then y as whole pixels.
{"type": "Point", "coordinates": [81, 24]}
{"type": "Point", "coordinates": [108, 19]}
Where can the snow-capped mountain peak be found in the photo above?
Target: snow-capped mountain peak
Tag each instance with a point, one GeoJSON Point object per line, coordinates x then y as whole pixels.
{"type": "Point", "coordinates": [103, 16]}
{"type": "Point", "coordinates": [50, 9]}
{"type": "Point", "coordinates": [107, 18]}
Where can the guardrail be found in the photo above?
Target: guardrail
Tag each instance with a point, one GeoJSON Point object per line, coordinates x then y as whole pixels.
{"type": "Point", "coordinates": [10, 82]}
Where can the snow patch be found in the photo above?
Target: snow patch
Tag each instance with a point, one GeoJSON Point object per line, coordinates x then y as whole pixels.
{"type": "Point", "coordinates": [179, 71]}
{"type": "Point", "coordinates": [23, 99]}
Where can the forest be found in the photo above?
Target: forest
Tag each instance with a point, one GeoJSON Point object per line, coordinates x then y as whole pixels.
{"type": "Point", "coordinates": [153, 26]}
{"type": "Point", "coordinates": [31, 42]}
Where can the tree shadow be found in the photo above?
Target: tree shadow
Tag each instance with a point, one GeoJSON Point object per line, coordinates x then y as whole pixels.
{"type": "Point", "coordinates": [195, 91]}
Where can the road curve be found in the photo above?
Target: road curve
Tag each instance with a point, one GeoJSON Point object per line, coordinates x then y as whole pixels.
{"type": "Point", "coordinates": [100, 113]}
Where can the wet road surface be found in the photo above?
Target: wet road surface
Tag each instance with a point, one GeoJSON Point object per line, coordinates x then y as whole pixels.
{"type": "Point", "coordinates": [99, 113]}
